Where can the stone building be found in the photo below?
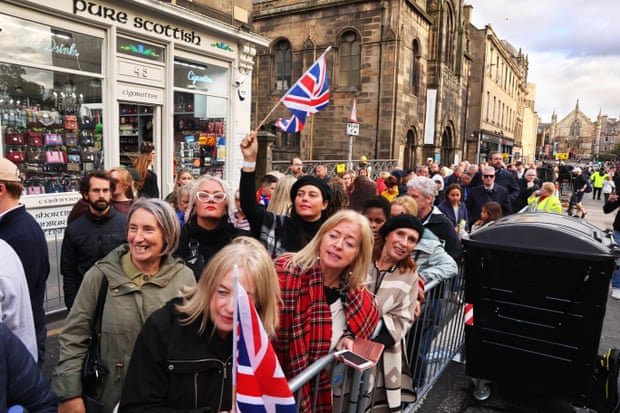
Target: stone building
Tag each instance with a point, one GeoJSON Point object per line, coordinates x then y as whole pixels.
{"type": "Point", "coordinates": [610, 129]}
{"type": "Point", "coordinates": [403, 61]}
{"type": "Point", "coordinates": [575, 135]}
{"type": "Point", "coordinates": [499, 95]}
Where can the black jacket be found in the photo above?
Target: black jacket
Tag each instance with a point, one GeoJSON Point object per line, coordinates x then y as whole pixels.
{"type": "Point", "coordinates": [520, 201]}
{"type": "Point", "coordinates": [610, 207]}
{"type": "Point", "coordinates": [441, 226]}
{"type": "Point", "coordinates": [86, 240]}
{"type": "Point", "coordinates": [478, 196]}
{"type": "Point", "coordinates": [197, 245]}
{"type": "Point", "coordinates": [174, 368]}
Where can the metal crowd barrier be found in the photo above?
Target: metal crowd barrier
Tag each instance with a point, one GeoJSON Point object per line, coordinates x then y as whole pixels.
{"type": "Point", "coordinates": [436, 338]}
{"type": "Point", "coordinates": [54, 296]}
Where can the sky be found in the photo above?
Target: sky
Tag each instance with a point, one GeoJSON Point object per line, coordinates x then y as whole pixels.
{"type": "Point", "coordinates": [573, 48]}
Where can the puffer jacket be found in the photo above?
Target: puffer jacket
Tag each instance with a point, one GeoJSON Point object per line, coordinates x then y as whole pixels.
{"type": "Point", "coordinates": [21, 380]}
{"type": "Point", "coordinates": [86, 240]}
{"type": "Point", "coordinates": [187, 371]}
{"type": "Point", "coordinates": [126, 308]}
{"type": "Point", "coordinates": [434, 263]}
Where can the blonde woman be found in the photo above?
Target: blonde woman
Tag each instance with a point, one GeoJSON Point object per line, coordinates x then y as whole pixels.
{"type": "Point", "coordinates": [183, 356]}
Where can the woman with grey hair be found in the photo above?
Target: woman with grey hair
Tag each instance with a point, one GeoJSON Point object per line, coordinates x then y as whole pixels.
{"type": "Point", "coordinates": [208, 227]}
{"type": "Point", "coordinates": [137, 278]}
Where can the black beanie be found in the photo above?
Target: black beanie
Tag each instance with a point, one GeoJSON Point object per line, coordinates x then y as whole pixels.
{"type": "Point", "coordinates": [314, 181]}
{"type": "Point", "coordinates": [402, 221]}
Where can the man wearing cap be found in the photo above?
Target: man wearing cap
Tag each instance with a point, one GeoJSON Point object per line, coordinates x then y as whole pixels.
{"type": "Point", "coordinates": [20, 230]}
{"type": "Point", "coordinates": [310, 197]}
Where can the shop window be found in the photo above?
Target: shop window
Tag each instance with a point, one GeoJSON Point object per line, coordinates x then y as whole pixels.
{"type": "Point", "coordinates": [51, 126]}
{"type": "Point", "coordinates": [32, 42]}
{"type": "Point", "coordinates": [135, 48]}
{"type": "Point", "coordinates": [200, 117]}
{"type": "Point", "coordinates": [349, 59]}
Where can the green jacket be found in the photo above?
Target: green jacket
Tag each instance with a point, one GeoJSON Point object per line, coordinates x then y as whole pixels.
{"type": "Point", "coordinates": [126, 309]}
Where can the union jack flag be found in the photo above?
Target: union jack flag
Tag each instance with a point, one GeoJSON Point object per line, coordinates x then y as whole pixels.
{"type": "Point", "coordinates": [261, 384]}
{"type": "Point", "coordinates": [308, 95]}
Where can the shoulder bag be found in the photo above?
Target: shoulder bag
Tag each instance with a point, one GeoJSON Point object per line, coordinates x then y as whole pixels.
{"type": "Point", "coordinates": [93, 369]}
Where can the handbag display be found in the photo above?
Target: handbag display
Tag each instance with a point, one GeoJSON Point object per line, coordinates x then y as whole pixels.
{"type": "Point", "coordinates": [35, 155]}
{"type": "Point", "coordinates": [71, 139]}
{"type": "Point", "coordinates": [93, 369]}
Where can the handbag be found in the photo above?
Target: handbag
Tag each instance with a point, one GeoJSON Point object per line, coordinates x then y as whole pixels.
{"type": "Point", "coordinates": [35, 155]}
{"type": "Point", "coordinates": [53, 139]}
{"type": "Point", "coordinates": [16, 156]}
{"type": "Point", "coordinates": [54, 157]}
{"type": "Point", "coordinates": [93, 369]}
{"type": "Point", "coordinates": [71, 122]}
{"type": "Point", "coordinates": [35, 138]}
{"type": "Point", "coordinates": [71, 139]}
{"type": "Point", "coordinates": [14, 138]}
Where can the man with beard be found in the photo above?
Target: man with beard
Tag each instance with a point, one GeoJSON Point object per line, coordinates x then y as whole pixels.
{"type": "Point", "coordinates": [93, 235]}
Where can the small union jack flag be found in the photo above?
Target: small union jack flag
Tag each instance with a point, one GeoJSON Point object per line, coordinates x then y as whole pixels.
{"type": "Point", "coordinates": [261, 384]}
{"type": "Point", "coordinates": [308, 95]}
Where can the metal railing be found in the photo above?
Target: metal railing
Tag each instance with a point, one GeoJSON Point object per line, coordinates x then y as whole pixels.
{"type": "Point", "coordinates": [436, 338]}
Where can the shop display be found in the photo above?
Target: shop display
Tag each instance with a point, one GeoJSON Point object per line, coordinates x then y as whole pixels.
{"type": "Point", "coordinates": [45, 146]}
{"type": "Point", "coordinates": [200, 143]}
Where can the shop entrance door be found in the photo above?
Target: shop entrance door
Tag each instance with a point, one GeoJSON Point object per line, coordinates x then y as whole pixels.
{"type": "Point", "coordinates": [136, 131]}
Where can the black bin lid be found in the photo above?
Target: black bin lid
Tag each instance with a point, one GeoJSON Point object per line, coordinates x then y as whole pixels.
{"type": "Point", "coordinates": [546, 234]}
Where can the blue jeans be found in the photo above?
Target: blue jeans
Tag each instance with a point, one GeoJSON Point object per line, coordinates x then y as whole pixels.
{"type": "Point", "coordinates": [615, 280]}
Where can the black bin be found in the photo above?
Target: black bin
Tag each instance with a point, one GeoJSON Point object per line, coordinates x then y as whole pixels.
{"type": "Point", "coordinates": [538, 284]}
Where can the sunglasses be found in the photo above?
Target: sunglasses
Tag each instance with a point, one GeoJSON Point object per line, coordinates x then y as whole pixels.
{"type": "Point", "coordinates": [488, 176]}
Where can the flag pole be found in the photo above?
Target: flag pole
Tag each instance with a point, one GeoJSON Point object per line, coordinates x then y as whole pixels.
{"type": "Point", "coordinates": [235, 277]}
{"type": "Point", "coordinates": [287, 92]}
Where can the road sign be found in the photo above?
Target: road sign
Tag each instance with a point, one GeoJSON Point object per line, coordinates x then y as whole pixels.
{"type": "Point", "coordinates": [353, 129]}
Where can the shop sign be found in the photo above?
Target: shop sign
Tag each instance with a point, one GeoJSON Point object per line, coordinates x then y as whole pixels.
{"type": "Point", "coordinates": [51, 211]}
{"type": "Point", "coordinates": [113, 15]}
{"type": "Point", "coordinates": [140, 94]}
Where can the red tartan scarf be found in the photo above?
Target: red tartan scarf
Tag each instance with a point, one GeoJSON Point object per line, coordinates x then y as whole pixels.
{"type": "Point", "coordinates": [305, 329]}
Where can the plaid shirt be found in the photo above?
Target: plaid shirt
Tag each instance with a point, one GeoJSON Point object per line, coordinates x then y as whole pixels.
{"type": "Point", "coordinates": [305, 329]}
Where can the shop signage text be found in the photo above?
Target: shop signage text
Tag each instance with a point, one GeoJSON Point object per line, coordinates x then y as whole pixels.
{"type": "Point", "coordinates": [111, 14]}
{"type": "Point", "coordinates": [50, 45]}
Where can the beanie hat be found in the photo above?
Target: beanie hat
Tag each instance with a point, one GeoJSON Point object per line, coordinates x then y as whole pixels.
{"type": "Point", "coordinates": [314, 181]}
{"type": "Point", "coordinates": [401, 221]}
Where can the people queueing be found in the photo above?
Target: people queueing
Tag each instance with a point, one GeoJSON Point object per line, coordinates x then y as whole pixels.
{"type": "Point", "coordinates": [487, 192]}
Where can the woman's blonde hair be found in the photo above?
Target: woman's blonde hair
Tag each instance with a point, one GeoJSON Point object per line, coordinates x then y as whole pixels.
{"type": "Point", "coordinates": [357, 271]}
{"type": "Point", "coordinates": [251, 256]}
{"type": "Point", "coordinates": [408, 203]}
{"type": "Point", "coordinates": [280, 203]}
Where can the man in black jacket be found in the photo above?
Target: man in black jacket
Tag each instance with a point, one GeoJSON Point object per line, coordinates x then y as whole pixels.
{"type": "Point", "coordinates": [502, 176]}
{"type": "Point", "coordinates": [93, 235]}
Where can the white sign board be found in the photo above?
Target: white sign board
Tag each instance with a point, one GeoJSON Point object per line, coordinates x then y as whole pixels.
{"type": "Point", "coordinates": [353, 129]}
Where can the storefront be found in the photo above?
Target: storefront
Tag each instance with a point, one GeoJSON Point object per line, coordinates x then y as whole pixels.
{"type": "Point", "coordinates": [86, 85]}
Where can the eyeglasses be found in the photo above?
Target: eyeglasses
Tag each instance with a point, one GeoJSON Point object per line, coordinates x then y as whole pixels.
{"type": "Point", "coordinates": [206, 197]}
{"type": "Point", "coordinates": [488, 176]}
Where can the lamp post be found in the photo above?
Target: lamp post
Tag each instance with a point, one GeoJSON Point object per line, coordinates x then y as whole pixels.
{"type": "Point", "coordinates": [477, 133]}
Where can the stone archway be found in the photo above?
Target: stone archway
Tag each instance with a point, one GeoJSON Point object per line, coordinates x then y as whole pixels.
{"type": "Point", "coordinates": [447, 147]}
{"type": "Point", "coordinates": [409, 157]}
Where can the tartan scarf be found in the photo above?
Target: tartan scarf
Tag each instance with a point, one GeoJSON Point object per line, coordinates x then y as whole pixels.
{"type": "Point", "coordinates": [305, 331]}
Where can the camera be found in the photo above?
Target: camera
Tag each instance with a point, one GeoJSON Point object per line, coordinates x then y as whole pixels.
{"type": "Point", "coordinates": [239, 80]}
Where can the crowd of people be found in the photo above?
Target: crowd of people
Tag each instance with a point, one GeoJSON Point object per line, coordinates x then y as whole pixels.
{"type": "Point", "coordinates": [326, 260]}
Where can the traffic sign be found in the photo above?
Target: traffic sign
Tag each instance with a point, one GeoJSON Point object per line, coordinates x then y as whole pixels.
{"type": "Point", "coordinates": [353, 129]}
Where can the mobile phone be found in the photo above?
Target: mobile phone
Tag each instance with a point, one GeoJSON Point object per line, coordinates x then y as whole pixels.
{"type": "Point", "coordinates": [354, 360]}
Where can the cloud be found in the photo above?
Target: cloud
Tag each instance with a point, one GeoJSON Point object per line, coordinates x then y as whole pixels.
{"type": "Point", "coordinates": [572, 49]}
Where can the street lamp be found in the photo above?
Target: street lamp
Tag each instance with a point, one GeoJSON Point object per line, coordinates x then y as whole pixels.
{"type": "Point", "coordinates": [477, 134]}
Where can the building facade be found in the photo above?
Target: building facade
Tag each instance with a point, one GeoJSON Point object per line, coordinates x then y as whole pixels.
{"type": "Point", "coordinates": [499, 95]}
{"type": "Point", "coordinates": [402, 61]}
{"type": "Point", "coordinates": [85, 85]}
{"type": "Point", "coordinates": [574, 137]}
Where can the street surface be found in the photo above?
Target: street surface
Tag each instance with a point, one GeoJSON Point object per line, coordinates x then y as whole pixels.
{"type": "Point", "coordinates": [453, 392]}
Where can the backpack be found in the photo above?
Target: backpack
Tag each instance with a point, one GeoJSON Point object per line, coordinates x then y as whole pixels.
{"type": "Point", "coordinates": [606, 382]}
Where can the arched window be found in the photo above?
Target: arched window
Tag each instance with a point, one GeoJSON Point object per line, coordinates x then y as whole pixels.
{"type": "Point", "coordinates": [450, 31]}
{"type": "Point", "coordinates": [575, 128]}
{"type": "Point", "coordinates": [415, 70]}
{"type": "Point", "coordinates": [349, 55]}
{"type": "Point", "coordinates": [282, 65]}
